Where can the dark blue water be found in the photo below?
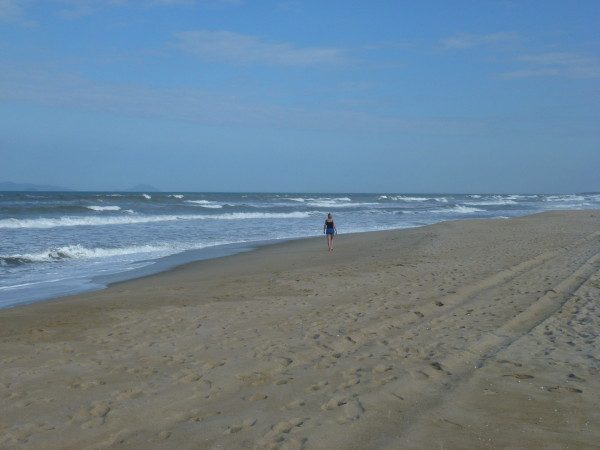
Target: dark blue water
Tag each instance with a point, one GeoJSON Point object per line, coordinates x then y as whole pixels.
{"type": "Point", "coordinates": [56, 243]}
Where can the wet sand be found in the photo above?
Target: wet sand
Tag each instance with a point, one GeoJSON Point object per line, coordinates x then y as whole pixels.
{"type": "Point", "coordinates": [470, 334]}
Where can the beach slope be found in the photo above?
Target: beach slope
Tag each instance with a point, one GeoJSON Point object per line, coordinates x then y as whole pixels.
{"type": "Point", "coordinates": [467, 334]}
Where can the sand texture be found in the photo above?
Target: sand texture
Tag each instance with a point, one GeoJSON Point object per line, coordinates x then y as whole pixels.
{"type": "Point", "coordinates": [470, 334]}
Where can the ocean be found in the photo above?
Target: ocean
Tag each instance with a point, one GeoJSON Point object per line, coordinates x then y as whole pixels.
{"type": "Point", "coordinates": [58, 243]}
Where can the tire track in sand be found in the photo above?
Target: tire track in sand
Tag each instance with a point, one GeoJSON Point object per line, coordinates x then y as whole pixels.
{"type": "Point", "coordinates": [409, 404]}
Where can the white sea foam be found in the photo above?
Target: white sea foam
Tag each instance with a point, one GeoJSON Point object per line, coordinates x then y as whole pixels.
{"type": "Point", "coordinates": [405, 198]}
{"type": "Point", "coordinates": [518, 196]}
{"type": "Point", "coordinates": [205, 204]}
{"type": "Point", "coordinates": [104, 208]}
{"type": "Point", "coordinates": [402, 198]}
{"type": "Point", "coordinates": [492, 202]}
{"type": "Point", "coordinates": [146, 196]}
{"type": "Point", "coordinates": [335, 204]}
{"type": "Point", "coordinates": [564, 198]}
{"type": "Point", "coordinates": [81, 252]}
{"type": "Point", "coordinates": [176, 196]}
{"type": "Point", "coordinates": [131, 219]}
{"type": "Point", "coordinates": [17, 286]}
{"type": "Point", "coordinates": [328, 202]}
{"type": "Point", "coordinates": [383, 197]}
{"type": "Point", "coordinates": [458, 209]}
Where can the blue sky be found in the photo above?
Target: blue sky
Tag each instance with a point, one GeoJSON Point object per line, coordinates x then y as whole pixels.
{"type": "Point", "coordinates": [233, 95]}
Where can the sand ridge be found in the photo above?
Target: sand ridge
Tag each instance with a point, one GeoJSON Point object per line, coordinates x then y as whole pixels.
{"type": "Point", "coordinates": [443, 336]}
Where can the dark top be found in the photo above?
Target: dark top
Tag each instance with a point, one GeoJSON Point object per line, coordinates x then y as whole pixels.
{"type": "Point", "coordinates": [329, 224]}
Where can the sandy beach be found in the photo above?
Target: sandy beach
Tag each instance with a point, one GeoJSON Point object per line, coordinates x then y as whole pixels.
{"type": "Point", "coordinates": [466, 334]}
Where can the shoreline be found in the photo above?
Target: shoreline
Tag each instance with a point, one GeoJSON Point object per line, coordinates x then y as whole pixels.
{"type": "Point", "coordinates": [172, 262]}
{"type": "Point", "coordinates": [53, 249]}
{"type": "Point", "coordinates": [417, 337]}
{"type": "Point", "coordinates": [155, 267]}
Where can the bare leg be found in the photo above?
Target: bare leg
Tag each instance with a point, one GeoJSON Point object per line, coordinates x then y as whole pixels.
{"type": "Point", "coordinates": [331, 245]}
{"type": "Point", "coordinates": [329, 242]}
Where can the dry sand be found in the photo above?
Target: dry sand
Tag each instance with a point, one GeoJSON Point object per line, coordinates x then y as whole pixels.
{"type": "Point", "coordinates": [469, 334]}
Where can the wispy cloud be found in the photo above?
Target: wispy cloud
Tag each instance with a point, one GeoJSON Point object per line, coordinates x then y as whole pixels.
{"type": "Point", "coordinates": [53, 88]}
{"type": "Point", "coordinates": [466, 40]}
{"type": "Point", "coordinates": [556, 64]}
{"type": "Point", "coordinates": [240, 48]}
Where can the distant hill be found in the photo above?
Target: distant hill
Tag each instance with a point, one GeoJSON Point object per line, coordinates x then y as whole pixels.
{"type": "Point", "coordinates": [143, 188]}
{"type": "Point", "coordinates": [10, 186]}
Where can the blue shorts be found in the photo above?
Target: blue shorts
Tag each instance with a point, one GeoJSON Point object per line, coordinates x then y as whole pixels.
{"type": "Point", "coordinates": [330, 231]}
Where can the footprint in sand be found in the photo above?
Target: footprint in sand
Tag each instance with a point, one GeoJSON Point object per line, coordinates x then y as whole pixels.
{"type": "Point", "coordinates": [283, 361]}
{"type": "Point", "coordinates": [318, 386]}
{"type": "Point", "coordinates": [287, 425]}
{"type": "Point", "coordinates": [504, 361]}
{"type": "Point", "coordinates": [333, 403]}
{"type": "Point", "coordinates": [212, 365]}
{"type": "Point", "coordinates": [564, 388]}
{"type": "Point", "coordinates": [128, 394]}
{"type": "Point", "coordinates": [520, 376]}
{"type": "Point", "coordinates": [572, 376]}
{"type": "Point", "coordinates": [280, 443]}
{"type": "Point", "coordinates": [381, 368]}
{"type": "Point", "coordinates": [163, 435]}
{"type": "Point", "coordinates": [420, 375]}
{"type": "Point", "coordinates": [93, 415]}
{"type": "Point", "coordinates": [245, 425]}
{"type": "Point", "coordinates": [295, 404]}
{"type": "Point", "coordinates": [85, 385]}
{"type": "Point", "coordinates": [386, 380]}
{"type": "Point", "coordinates": [351, 412]}
{"type": "Point", "coordinates": [254, 378]}
{"type": "Point", "coordinates": [349, 383]}
{"type": "Point", "coordinates": [436, 366]}
{"type": "Point", "coordinates": [203, 386]}
{"type": "Point", "coordinates": [256, 397]}
{"type": "Point", "coordinates": [197, 415]}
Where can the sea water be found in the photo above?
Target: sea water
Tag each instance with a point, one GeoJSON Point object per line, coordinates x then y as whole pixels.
{"type": "Point", "coordinates": [58, 243]}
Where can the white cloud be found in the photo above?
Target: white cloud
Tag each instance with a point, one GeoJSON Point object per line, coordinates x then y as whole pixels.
{"type": "Point", "coordinates": [466, 40]}
{"type": "Point", "coordinates": [241, 48]}
{"type": "Point", "coordinates": [556, 64]}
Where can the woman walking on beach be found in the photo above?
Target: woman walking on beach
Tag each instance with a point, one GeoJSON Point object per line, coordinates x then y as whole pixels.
{"type": "Point", "coordinates": [329, 230]}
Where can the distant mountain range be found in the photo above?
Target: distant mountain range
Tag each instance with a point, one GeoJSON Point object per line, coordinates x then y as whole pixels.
{"type": "Point", "coordinates": [10, 186]}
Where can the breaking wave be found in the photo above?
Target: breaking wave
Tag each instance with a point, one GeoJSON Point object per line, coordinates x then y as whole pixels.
{"type": "Point", "coordinates": [124, 220]}
{"type": "Point", "coordinates": [205, 204]}
{"type": "Point", "coordinates": [78, 252]}
{"type": "Point", "coordinates": [458, 209]}
{"type": "Point", "coordinates": [104, 208]}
